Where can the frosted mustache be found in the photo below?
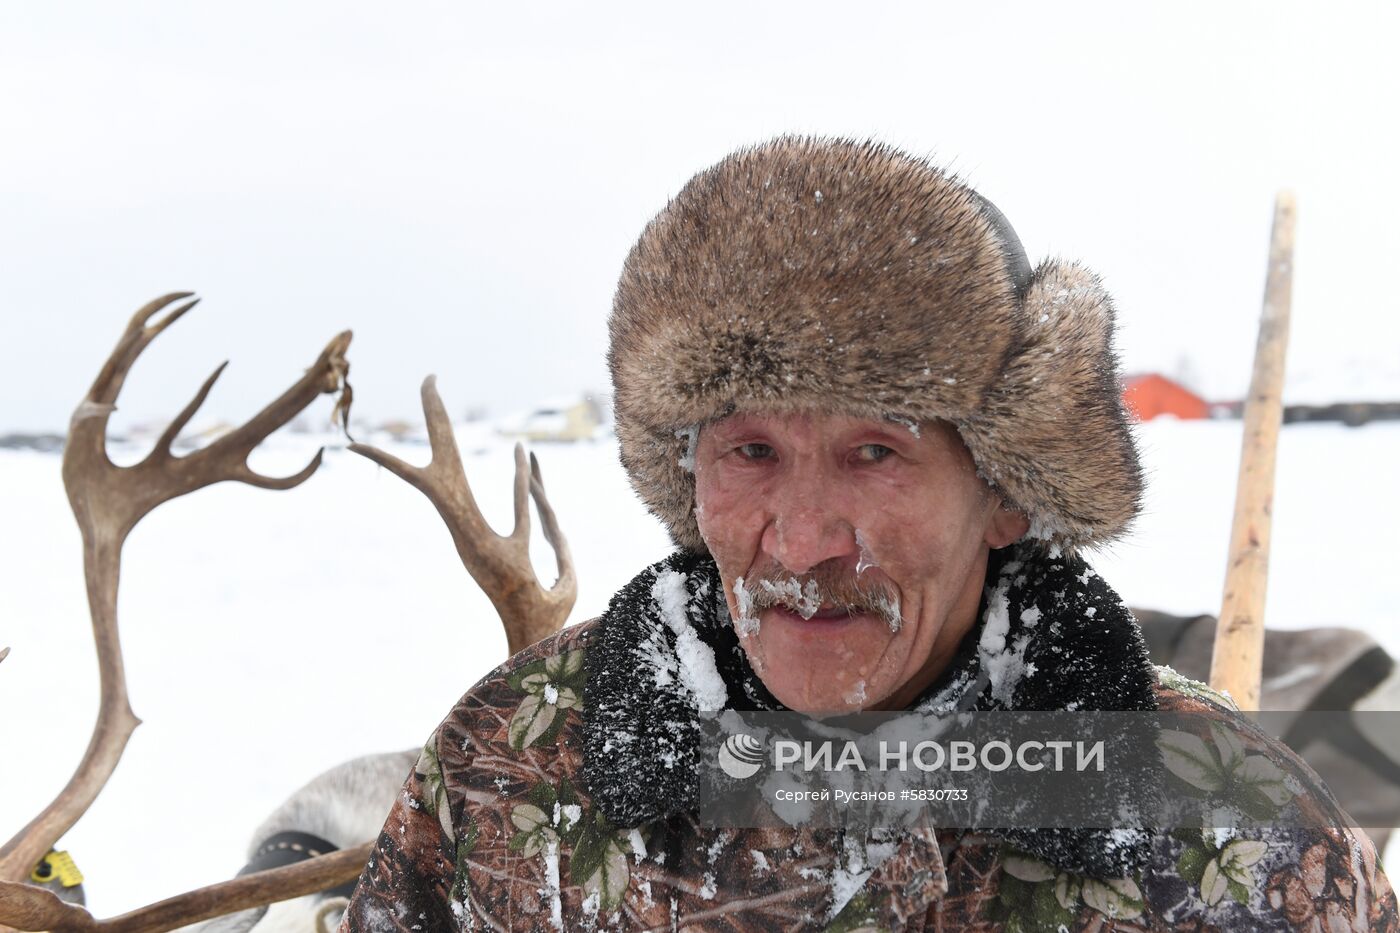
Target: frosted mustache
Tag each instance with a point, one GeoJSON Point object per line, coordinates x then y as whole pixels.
{"type": "Point", "coordinates": [804, 594]}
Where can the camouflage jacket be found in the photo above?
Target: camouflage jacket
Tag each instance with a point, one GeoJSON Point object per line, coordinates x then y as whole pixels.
{"type": "Point", "coordinates": [559, 793]}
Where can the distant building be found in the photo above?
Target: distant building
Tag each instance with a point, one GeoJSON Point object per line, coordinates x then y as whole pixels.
{"type": "Point", "coordinates": [1352, 414]}
{"type": "Point", "coordinates": [565, 419]}
{"type": "Point", "coordinates": [1357, 393]}
{"type": "Point", "coordinates": [1151, 395]}
{"type": "Point", "coordinates": [43, 441]}
{"type": "Point", "coordinates": [402, 432]}
{"type": "Point", "coordinates": [1354, 391]}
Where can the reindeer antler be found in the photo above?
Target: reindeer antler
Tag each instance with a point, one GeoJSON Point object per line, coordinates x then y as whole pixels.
{"type": "Point", "coordinates": [500, 564]}
{"type": "Point", "coordinates": [30, 909]}
{"type": "Point", "coordinates": [108, 501]}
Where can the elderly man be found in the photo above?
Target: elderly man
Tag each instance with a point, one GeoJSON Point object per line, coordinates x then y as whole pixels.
{"type": "Point", "coordinates": [879, 440]}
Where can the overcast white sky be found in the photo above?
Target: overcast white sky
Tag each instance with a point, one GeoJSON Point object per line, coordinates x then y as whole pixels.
{"type": "Point", "coordinates": [459, 183]}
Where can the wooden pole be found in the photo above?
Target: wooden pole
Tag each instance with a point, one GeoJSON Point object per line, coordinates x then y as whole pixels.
{"type": "Point", "coordinates": [1237, 664]}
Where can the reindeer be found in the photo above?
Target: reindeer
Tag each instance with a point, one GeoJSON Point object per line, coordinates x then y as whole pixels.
{"type": "Point", "coordinates": [319, 840]}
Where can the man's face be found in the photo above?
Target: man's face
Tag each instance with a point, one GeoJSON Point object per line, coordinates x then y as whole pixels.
{"type": "Point", "coordinates": [858, 546]}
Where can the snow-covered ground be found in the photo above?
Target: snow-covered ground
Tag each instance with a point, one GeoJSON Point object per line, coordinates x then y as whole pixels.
{"type": "Point", "coordinates": [269, 636]}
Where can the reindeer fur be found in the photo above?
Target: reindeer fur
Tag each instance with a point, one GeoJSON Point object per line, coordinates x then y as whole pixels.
{"type": "Point", "coordinates": [345, 806]}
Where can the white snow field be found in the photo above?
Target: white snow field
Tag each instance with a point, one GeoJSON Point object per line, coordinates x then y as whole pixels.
{"type": "Point", "coordinates": [270, 635]}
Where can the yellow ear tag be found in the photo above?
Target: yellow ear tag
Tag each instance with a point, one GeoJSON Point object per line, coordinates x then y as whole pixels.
{"type": "Point", "coordinates": [58, 864]}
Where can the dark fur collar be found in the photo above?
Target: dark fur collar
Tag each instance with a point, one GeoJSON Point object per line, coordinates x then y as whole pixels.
{"type": "Point", "coordinates": [1079, 649]}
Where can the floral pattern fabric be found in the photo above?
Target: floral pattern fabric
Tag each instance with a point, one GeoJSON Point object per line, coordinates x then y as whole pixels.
{"type": "Point", "coordinates": [493, 831]}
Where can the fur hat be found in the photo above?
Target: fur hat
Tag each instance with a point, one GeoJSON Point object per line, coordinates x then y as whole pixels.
{"type": "Point", "coordinates": [851, 277]}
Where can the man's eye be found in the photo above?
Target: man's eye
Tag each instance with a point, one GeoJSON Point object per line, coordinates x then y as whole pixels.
{"type": "Point", "coordinates": [755, 451]}
{"type": "Point", "coordinates": [874, 453]}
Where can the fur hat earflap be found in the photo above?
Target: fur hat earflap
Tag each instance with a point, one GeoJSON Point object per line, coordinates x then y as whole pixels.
{"type": "Point", "coordinates": [819, 274]}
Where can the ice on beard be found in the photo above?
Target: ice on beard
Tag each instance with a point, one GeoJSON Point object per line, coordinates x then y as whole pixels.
{"type": "Point", "coordinates": [747, 623]}
{"type": "Point", "coordinates": [889, 608]}
{"type": "Point", "coordinates": [805, 599]}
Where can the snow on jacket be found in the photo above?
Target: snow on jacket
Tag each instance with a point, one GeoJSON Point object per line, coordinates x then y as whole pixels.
{"type": "Point", "coordinates": [559, 793]}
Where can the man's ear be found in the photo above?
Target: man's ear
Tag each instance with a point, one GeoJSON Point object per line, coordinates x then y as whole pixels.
{"type": "Point", "coordinates": [1006, 526]}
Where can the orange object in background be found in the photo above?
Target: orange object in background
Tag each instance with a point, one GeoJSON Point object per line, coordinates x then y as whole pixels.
{"type": "Point", "coordinates": [1149, 395]}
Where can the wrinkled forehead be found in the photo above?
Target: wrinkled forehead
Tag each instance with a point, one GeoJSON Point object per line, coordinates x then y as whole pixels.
{"type": "Point", "coordinates": [822, 421]}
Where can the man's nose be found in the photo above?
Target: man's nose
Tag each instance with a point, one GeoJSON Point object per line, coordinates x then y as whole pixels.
{"type": "Point", "coordinates": [805, 531]}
